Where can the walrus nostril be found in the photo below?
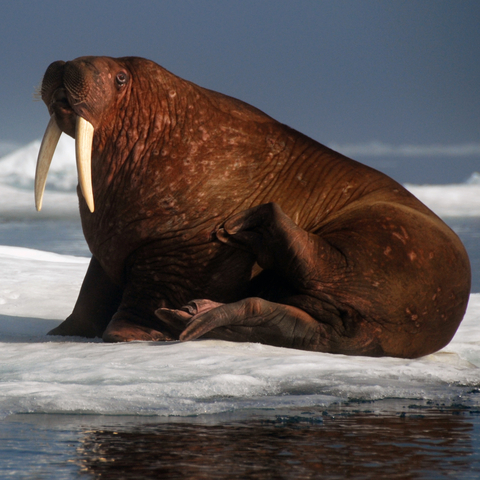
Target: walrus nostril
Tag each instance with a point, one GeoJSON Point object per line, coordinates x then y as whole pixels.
{"type": "Point", "coordinates": [75, 82]}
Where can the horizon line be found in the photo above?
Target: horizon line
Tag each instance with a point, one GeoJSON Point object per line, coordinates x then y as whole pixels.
{"type": "Point", "coordinates": [377, 148]}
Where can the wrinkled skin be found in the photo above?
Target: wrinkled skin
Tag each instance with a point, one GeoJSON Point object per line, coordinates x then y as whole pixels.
{"type": "Point", "coordinates": [213, 220]}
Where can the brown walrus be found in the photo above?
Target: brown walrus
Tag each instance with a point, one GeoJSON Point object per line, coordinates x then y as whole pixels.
{"type": "Point", "coordinates": [207, 218]}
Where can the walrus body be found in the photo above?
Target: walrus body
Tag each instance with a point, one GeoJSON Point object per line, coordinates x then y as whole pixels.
{"type": "Point", "coordinates": [213, 220]}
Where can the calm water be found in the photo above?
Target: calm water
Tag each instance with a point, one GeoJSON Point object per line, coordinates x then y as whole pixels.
{"type": "Point", "coordinates": [414, 443]}
{"type": "Point", "coordinates": [381, 440]}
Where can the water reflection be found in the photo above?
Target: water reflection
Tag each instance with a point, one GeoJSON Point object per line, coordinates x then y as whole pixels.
{"type": "Point", "coordinates": [303, 447]}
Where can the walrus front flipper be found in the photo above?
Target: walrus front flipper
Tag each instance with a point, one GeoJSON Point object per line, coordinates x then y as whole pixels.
{"type": "Point", "coordinates": [98, 300]}
{"type": "Point", "coordinates": [129, 327]}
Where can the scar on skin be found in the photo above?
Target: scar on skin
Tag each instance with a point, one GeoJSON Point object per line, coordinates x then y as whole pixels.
{"type": "Point", "coordinates": [397, 235]}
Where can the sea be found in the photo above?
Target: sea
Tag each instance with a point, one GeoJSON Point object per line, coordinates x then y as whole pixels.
{"type": "Point", "coordinates": [75, 408]}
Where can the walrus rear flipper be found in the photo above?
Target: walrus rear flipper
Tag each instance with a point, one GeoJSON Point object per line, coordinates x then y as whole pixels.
{"type": "Point", "coordinates": [379, 280]}
{"type": "Point", "coordinates": [260, 321]}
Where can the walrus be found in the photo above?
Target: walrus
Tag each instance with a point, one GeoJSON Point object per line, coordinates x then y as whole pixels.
{"type": "Point", "coordinates": [207, 218]}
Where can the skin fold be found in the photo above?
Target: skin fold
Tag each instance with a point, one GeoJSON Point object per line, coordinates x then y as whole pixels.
{"type": "Point", "coordinates": [213, 220]}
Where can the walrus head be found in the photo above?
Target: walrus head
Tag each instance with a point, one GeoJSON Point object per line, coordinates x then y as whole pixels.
{"type": "Point", "coordinates": [78, 95]}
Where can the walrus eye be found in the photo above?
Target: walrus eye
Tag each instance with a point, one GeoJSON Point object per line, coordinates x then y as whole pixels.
{"type": "Point", "coordinates": [121, 79]}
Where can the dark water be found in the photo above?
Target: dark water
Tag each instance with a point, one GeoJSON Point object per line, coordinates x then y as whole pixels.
{"type": "Point", "coordinates": [59, 236]}
{"type": "Point", "coordinates": [338, 444]}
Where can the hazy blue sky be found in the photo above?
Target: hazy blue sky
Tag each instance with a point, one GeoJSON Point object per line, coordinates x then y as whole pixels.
{"type": "Point", "coordinates": [344, 72]}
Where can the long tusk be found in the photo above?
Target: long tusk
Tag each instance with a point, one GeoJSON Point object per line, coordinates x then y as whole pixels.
{"type": "Point", "coordinates": [83, 150]}
{"type": "Point", "coordinates": [45, 155]}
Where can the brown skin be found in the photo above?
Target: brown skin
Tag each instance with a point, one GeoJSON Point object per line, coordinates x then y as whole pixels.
{"type": "Point", "coordinates": [213, 220]}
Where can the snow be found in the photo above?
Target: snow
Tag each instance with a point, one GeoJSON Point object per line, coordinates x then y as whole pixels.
{"type": "Point", "coordinates": [457, 200]}
{"type": "Point", "coordinates": [42, 374]}
{"type": "Point", "coordinates": [18, 168]}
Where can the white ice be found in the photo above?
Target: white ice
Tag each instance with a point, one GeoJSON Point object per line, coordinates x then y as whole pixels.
{"type": "Point", "coordinates": [59, 375]}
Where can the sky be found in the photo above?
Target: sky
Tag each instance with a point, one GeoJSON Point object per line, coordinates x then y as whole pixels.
{"type": "Point", "coordinates": [368, 77]}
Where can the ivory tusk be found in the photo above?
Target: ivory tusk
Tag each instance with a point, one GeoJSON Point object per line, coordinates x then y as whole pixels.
{"type": "Point", "coordinates": [45, 155]}
{"type": "Point", "coordinates": [83, 150]}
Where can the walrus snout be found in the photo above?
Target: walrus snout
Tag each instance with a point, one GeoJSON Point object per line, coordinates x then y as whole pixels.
{"type": "Point", "coordinates": [65, 85]}
{"type": "Point", "coordinates": [75, 93]}
{"type": "Point", "coordinates": [56, 97]}
{"type": "Point", "coordinates": [70, 83]}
